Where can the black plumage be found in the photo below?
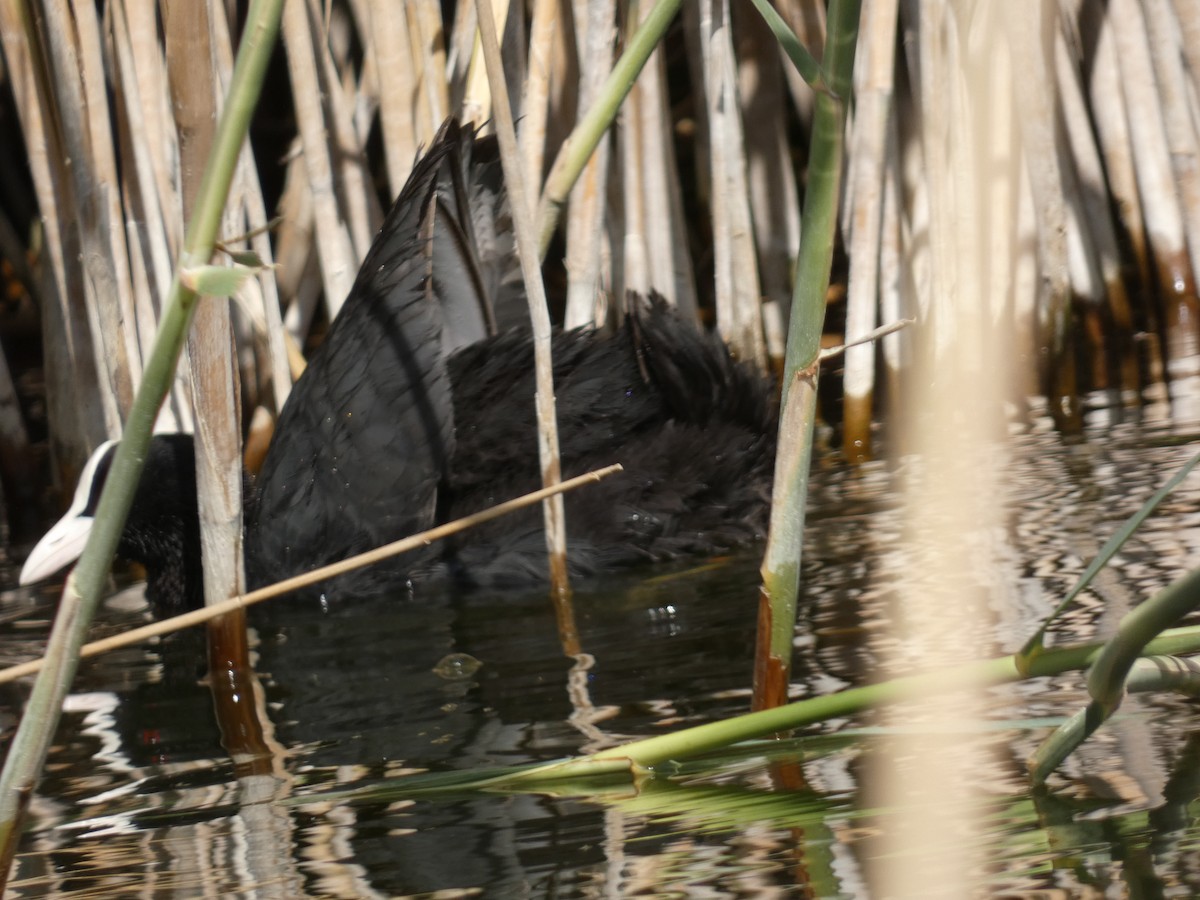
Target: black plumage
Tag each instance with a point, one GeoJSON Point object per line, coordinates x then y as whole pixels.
{"type": "Point", "coordinates": [418, 408]}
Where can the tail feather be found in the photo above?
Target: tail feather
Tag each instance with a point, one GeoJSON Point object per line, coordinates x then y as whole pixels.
{"type": "Point", "coordinates": [475, 274]}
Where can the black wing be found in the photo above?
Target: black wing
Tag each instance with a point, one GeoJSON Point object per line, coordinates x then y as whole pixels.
{"type": "Point", "coordinates": [363, 442]}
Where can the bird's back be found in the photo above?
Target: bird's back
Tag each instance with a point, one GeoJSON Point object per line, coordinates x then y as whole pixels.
{"type": "Point", "coordinates": [693, 430]}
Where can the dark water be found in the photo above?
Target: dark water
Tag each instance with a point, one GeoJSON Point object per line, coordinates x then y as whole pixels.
{"type": "Point", "coordinates": [140, 799]}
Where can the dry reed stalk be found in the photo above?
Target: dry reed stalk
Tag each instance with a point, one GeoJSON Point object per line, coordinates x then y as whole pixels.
{"type": "Point", "coordinates": [147, 257]}
{"type": "Point", "coordinates": [315, 576]}
{"type": "Point", "coordinates": [194, 88]}
{"type": "Point", "coordinates": [535, 97]}
{"type": "Point", "coordinates": [935, 84]}
{"type": "Point", "coordinates": [1031, 44]}
{"type": "Point", "coordinates": [913, 209]}
{"type": "Point", "coordinates": [359, 88]}
{"type": "Point", "coordinates": [1176, 93]}
{"type": "Point", "coordinates": [334, 246]}
{"type": "Point", "coordinates": [522, 206]}
{"type": "Point", "coordinates": [476, 104]}
{"type": "Point", "coordinates": [1187, 15]}
{"type": "Point", "coordinates": [157, 215]}
{"type": "Point", "coordinates": [649, 250]}
{"type": "Point", "coordinates": [109, 274]}
{"type": "Point", "coordinates": [357, 202]}
{"type": "Point", "coordinates": [1156, 185]}
{"type": "Point", "coordinates": [459, 53]}
{"type": "Point", "coordinates": [1092, 237]}
{"type": "Point", "coordinates": [76, 411]}
{"type": "Point", "coordinates": [874, 67]}
{"type": "Point", "coordinates": [92, 232]}
{"type": "Point", "coordinates": [391, 45]}
{"type": "Point", "coordinates": [681, 255]}
{"type": "Point", "coordinates": [774, 203]}
{"type": "Point", "coordinates": [259, 296]}
{"type": "Point", "coordinates": [1106, 102]}
{"type": "Point", "coordinates": [1025, 277]}
{"type": "Point", "coordinates": [739, 319]}
{"type": "Point", "coordinates": [666, 255]}
{"type": "Point", "coordinates": [218, 450]}
{"type": "Point", "coordinates": [154, 144]}
{"type": "Point", "coordinates": [425, 26]}
{"type": "Point", "coordinates": [149, 69]}
{"type": "Point", "coordinates": [895, 300]}
{"type": "Point", "coordinates": [215, 388]}
{"type": "Point", "coordinates": [1084, 234]}
{"type": "Point", "coordinates": [149, 248]}
{"type": "Point", "coordinates": [1003, 161]}
{"type": "Point", "coordinates": [423, 123]}
{"type": "Point", "coordinates": [633, 273]}
{"type": "Point", "coordinates": [144, 162]}
{"type": "Point", "coordinates": [1108, 112]}
{"type": "Point", "coordinates": [298, 275]}
{"type": "Point", "coordinates": [971, 171]}
{"type": "Point", "coordinates": [594, 33]}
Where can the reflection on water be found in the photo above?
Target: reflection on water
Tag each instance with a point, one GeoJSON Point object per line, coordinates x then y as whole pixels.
{"type": "Point", "coordinates": [139, 798]}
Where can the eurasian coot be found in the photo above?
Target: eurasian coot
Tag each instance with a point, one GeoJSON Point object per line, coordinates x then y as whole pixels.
{"type": "Point", "coordinates": [418, 408]}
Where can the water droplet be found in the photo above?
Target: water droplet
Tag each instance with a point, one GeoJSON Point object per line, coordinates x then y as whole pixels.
{"type": "Point", "coordinates": [457, 667]}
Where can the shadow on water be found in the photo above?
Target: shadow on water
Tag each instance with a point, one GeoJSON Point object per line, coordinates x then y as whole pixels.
{"type": "Point", "coordinates": [139, 796]}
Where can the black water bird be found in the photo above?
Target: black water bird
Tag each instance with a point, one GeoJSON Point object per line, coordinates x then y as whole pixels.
{"type": "Point", "coordinates": [418, 408]}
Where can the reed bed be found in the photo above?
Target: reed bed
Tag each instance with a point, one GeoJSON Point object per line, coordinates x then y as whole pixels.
{"type": "Point", "coordinates": [1065, 208]}
{"type": "Point", "coordinates": [694, 192]}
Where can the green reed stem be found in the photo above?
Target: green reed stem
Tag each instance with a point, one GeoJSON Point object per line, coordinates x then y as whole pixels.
{"type": "Point", "coordinates": [781, 565]}
{"type": "Point", "coordinates": [27, 753]}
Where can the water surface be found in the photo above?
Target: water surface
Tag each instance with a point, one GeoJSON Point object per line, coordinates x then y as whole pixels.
{"type": "Point", "coordinates": [141, 799]}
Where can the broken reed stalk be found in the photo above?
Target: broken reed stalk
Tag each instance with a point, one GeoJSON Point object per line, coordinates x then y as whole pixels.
{"type": "Point", "coordinates": [233, 604]}
{"type": "Point", "coordinates": [27, 752]}
{"type": "Point", "coordinates": [521, 207]}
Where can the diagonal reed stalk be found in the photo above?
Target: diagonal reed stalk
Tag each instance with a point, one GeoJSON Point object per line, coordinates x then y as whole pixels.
{"type": "Point", "coordinates": [586, 135]}
{"type": "Point", "coordinates": [662, 753]}
{"type": "Point", "coordinates": [81, 594]}
{"type": "Point", "coordinates": [313, 576]}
